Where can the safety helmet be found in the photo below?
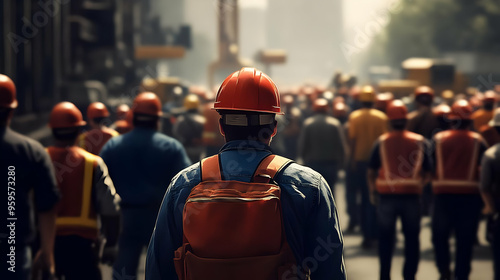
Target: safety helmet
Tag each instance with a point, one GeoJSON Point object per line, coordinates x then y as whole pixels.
{"type": "Point", "coordinates": [490, 97]}
{"type": "Point", "coordinates": [66, 115]}
{"type": "Point", "coordinates": [7, 93]}
{"type": "Point", "coordinates": [122, 110]}
{"type": "Point", "coordinates": [147, 103]}
{"type": "Point", "coordinates": [460, 110]}
{"type": "Point", "coordinates": [97, 110]}
{"type": "Point", "coordinates": [288, 100]}
{"type": "Point", "coordinates": [382, 100]}
{"type": "Point", "coordinates": [191, 102]}
{"type": "Point", "coordinates": [367, 94]}
{"type": "Point", "coordinates": [441, 110]}
{"type": "Point", "coordinates": [448, 94]}
{"type": "Point", "coordinates": [396, 110]}
{"type": "Point", "coordinates": [340, 110]}
{"type": "Point", "coordinates": [320, 105]}
{"type": "Point", "coordinates": [424, 90]}
{"type": "Point", "coordinates": [248, 90]}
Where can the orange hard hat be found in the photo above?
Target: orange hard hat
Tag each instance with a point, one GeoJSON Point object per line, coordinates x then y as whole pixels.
{"type": "Point", "coordinates": [340, 110]}
{"type": "Point", "coordinates": [97, 110]}
{"type": "Point", "coordinates": [424, 90]}
{"type": "Point", "coordinates": [490, 97]}
{"type": "Point", "coordinates": [382, 100]}
{"type": "Point", "coordinates": [65, 115]}
{"type": "Point", "coordinates": [338, 99]}
{"type": "Point", "coordinates": [320, 105]}
{"type": "Point", "coordinates": [7, 93]}
{"type": "Point", "coordinates": [396, 110]}
{"type": "Point", "coordinates": [248, 90]}
{"type": "Point", "coordinates": [121, 111]}
{"type": "Point", "coordinates": [147, 103]}
{"type": "Point", "coordinates": [441, 110]}
{"type": "Point", "coordinates": [460, 110]}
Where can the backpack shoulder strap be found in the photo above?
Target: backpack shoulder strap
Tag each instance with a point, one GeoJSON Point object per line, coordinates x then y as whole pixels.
{"type": "Point", "coordinates": [210, 169]}
{"type": "Point", "coordinates": [269, 167]}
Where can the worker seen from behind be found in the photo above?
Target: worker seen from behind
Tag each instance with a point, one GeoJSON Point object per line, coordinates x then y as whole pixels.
{"type": "Point", "coordinates": [490, 192]}
{"type": "Point", "coordinates": [87, 192]}
{"type": "Point", "coordinates": [243, 198]}
{"type": "Point", "coordinates": [94, 139]}
{"type": "Point", "coordinates": [441, 114]}
{"type": "Point", "coordinates": [365, 125]}
{"type": "Point", "coordinates": [399, 168]}
{"type": "Point", "coordinates": [141, 162]}
{"type": "Point", "coordinates": [27, 171]}
{"type": "Point", "coordinates": [482, 116]}
{"type": "Point", "coordinates": [121, 115]}
{"type": "Point", "coordinates": [322, 144]}
{"type": "Point", "coordinates": [422, 121]}
{"type": "Point", "coordinates": [457, 203]}
{"type": "Point", "coordinates": [188, 128]}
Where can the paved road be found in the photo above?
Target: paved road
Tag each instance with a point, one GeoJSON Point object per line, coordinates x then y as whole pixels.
{"type": "Point", "coordinates": [363, 264]}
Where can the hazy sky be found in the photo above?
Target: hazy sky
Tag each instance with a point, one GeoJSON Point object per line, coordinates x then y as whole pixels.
{"type": "Point", "coordinates": [356, 12]}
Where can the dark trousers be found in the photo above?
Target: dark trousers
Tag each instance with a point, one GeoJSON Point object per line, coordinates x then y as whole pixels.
{"type": "Point", "coordinates": [458, 213]}
{"type": "Point", "coordinates": [356, 184]}
{"type": "Point", "coordinates": [328, 170]}
{"type": "Point", "coordinates": [407, 207]}
{"type": "Point", "coordinates": [76, 258]}
{"type": "Point", "coordinates": [496, 245]}
{"type": "Point", "coordinates": [137, 227]}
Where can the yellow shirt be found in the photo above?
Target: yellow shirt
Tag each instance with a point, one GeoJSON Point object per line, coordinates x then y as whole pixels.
{"type": "Point", "coordinates": [365, 126]}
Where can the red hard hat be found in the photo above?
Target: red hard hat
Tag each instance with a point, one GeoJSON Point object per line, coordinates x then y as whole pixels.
{"type": "Point", "coordinates": [121, 111]}
{"type": "Point", "coordinates": [490, 97]}
{"type": "Point", "coordinates": [382, 100]}
{"type": "Point", "coordinates": [396, 110]}
{"type": "Point", "coordinates": [424, 90]}
{"type": "Point", "coordinates": [65, 115]}
{"type": "Point", "coordinates": [7, 93]}
{"type": "Point", "coordinates": [320, 105]}
{"type": "Point", "coordinates": [441, 110]}
{"type": "Point", "coordinates": [147, 103]}
{"type": "Point", "coordinates": [460, 110]}
{"type": "Point", "coordinates": [248, 90]}
{"type": "Point", "coordinates": [97, 110]}
{"type": "Point", "coordinates": [340, 110]}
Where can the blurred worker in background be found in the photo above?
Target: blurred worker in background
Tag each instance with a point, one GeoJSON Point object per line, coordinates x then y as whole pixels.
{"type": "Point", "coordinates": [94, 139]}
{"type": "Point", "coordinates": [126, 125]}
{"type": "Point", "coordinates": [27, 169]}
{"type": "Point", "coordinates": [382, 100]}
{"type": "Point", "coordinates": [248, 101]}
{"type": "Point", "coordinates": [340, 110]}
{"type": "Point", "coordinates": [489, 132]}
{"type": "Point", "coordinates": [365, 126]}
{"type": "Point", "coordinates": [141, 163]}
{"type": "Point", "coordinates": [121, 115]}
{"type": "Point", "coordinates": [422, 121]}
{"type": "Point", "coordinates": [441, 114]}
{"type": "Point", "coordinates": [87, 192]}
{"type": "Point", "coordinates": [457, 204]}
{"type": "Point", "coordinates": [482, 116]}
{"type": "Point", "coordinates": [399, 168]}
{"type": "Point", "coordinates": [188, 128]}
{"type": "Point", "coordinates": [291, 131]}
{"type": "Point", "coordinates": [212, 139]}
{"type": "Point", "coordinates": [490, 192]}
{"type": "Point", "coordinates": [322, 145]}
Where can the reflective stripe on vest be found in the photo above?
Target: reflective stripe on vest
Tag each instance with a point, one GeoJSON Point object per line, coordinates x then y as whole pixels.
{"type": "Point", "coordinates": [444, 181]}
{"type": "Point", "coordinates": [388, 182]}
{"type": "Point", "coordinates": [84, 220]}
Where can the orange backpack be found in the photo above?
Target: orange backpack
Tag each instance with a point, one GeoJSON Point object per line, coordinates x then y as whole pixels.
{"type": "Point", "coordinates": [234, 230]}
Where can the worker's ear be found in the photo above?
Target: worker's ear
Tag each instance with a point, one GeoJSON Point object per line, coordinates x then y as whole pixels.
{"type": "Point", "coordinates": [220, 128]}
{"type": "Point", "coordinates": [275, 128]}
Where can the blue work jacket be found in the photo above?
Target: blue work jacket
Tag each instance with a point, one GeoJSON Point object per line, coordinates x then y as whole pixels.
{"type": "Point", "coordinates": [309, 213]}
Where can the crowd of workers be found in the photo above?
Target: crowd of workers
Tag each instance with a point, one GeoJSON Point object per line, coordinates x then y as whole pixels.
{"type": "Point", "coordinates": [99, 190]}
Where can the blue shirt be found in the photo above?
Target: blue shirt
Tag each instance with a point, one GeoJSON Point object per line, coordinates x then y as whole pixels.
{"type": "Point", "coordinates": [309, 213]}
{"type": "Point", "coordinates": [141, 163]}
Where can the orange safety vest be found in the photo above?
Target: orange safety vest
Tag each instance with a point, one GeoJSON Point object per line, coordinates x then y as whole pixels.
{"type": "Point", "coordinates": [74, 172]}
{"type": "Point", "coordinates": [93, 140]}
{"type": "Point", "coordinates": [457, 154]}
{"type": "Point", "coordinates": [234, 230]}
{"type": "Point", "coordinates": [402, 153]}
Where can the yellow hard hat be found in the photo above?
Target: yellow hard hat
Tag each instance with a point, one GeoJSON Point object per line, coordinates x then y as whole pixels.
{"type": "Point", "coordinates": [367, 94]}
{"type": "Point", "coordinates": [191, 101]}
